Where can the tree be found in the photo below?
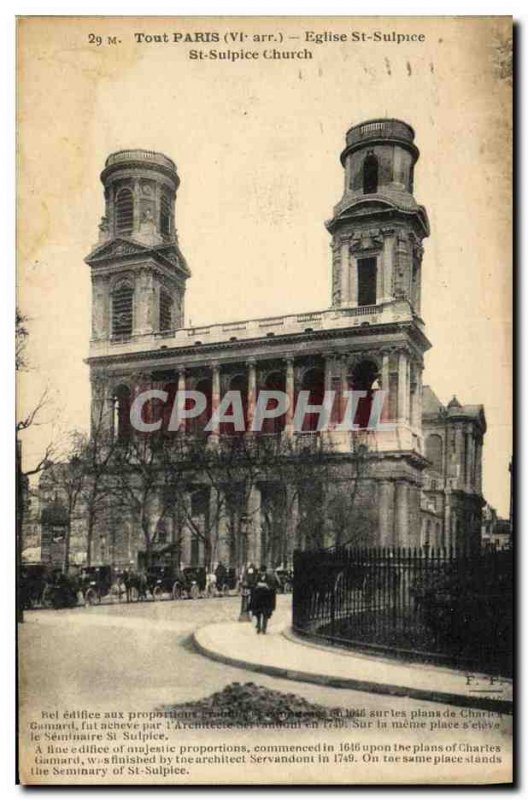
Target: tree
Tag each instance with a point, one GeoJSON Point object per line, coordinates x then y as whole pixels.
{"type": "Point", "coordinates": [96, 454]}
{"type": "Point", "coordinates": [24, 423]}
{"type": "Point", "coordinates": [67, 480]}
{"type": "Point", "coordinates": [21, 336]}
{"type": "Point", "coordinates": [144, 483]}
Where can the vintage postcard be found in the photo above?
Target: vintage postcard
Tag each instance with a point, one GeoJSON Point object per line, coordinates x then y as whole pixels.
{"type": "Point", "coordinates": [264, 368]}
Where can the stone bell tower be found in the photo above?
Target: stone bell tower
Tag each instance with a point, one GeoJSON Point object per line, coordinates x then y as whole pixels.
{"type": "Point", "coordinates": [138, 270]}
{"type": "Point", "coordinates": [377, 231]}
{"type": "Point", "coordinates": [378, 227]}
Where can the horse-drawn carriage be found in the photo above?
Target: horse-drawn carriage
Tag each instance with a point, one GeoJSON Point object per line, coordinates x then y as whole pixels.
{"type": "Point", "coordinates": [167, 579]}
{"type": "Point", "coordinates": [95, 583]}
{"type": "Point", "coordinates": [61, 590]}
{"type": "Point", "coordinates": [33, 579]}
{"type": "Point", "coordinates": [195, 579]}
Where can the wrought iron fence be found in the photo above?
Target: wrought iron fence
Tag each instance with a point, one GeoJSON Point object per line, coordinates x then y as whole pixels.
{"type": "Point", "coordinates": [440, 605]}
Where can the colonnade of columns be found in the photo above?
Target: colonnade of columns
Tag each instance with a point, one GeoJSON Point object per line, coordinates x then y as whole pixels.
{"type": "Point", "coordinates": [336, 368]}
{"type": "Point", "coordinates": [396, 502]}
{"type": "Point", "coordinates": [244, 541]}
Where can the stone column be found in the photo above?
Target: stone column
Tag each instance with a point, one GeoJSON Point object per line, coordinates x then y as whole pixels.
{"type": "Point", "coordinates": [251, 392]}
{"type": "Point", "coordinates": [388, 247]}
{"type": "Point", "coordinates": [401, 514]}
{"type": "Point", "coordinates": [345, 274]}
{"type": "Point", "coordinates": [412, 396]}
{"type": "Point", "coordinates": [181, 378]}
{"type": "Point", "coordinates": [402, 386]}
{"type": "Point", "coordinates": [446, 514]}
{"type": "Point", "coordinates": [478, 456]}
{"type": "Point", "coordinates": [385, 384]}
{"type": "Point", "coordinates": [254, 526]}
{"type": "Point", "coordinates": [186, 533]}
{"type": "Point", "coordinates": [217, 527]}
{"type": "Point", "coordinates": [292, 519]}
{"type": "Point", "coordinates": [136, 192]}
{"type": "Point", "coordinates": [290, 392]}
{"type": "Point", "coordinates": [459, 456]}
{"type": "Point", "coordinates": [418, 289]}
{"type": "Point", "coordinates": [352, 280]}
{"type": "Point", "coordinates": [327, 373]}
{"type": "Point", "coordinates": [181, 388]}
{"type": "Point", "coordinates": [157, 204]}
{"type": "Point", "coordinates": [414, 518]}
{"type": "Point", "coordinates": [386, 515]}
{"type": "Point", "coordinates": [408, 377]}
{"type": "Point", "coordinates": [215, 394]}
{"type": "Point", "coordinates": [343, 387]}
{"type": "Point", "coordinates": [471, 462]}
{"type": "Point", "coordinates": [177, 532]}
{"type": "Point", "coordinates": [379, 280]}
{"type": "Point", "coordinates": [419, 397]}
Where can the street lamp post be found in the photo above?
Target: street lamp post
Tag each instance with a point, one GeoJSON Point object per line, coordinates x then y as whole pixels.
{"type": "Point", "coordinates": [245, 591]}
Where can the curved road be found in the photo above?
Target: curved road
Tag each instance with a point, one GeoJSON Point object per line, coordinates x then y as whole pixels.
{"type": "Point", "coordinates": [140, 655]}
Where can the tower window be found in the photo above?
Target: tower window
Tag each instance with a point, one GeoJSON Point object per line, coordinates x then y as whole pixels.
{"type": "Point", "coordinates": [122, 310]}
{"type": "Point", "coordinates": [124, 210]}
{"type": "Point", "coordinates": [370, 174]}
{"type": "Point", "coordinates": [367, 274]}
{"type": "Point", "coordinates": [165, 214]}
{"type": "Point", "coordinates": [165, 311]}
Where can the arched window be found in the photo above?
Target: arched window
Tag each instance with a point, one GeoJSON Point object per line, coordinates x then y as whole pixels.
{"type": "Point", "coordinates": [122, 310]}
{"type": "Point", "coordinates": [313, 381]}
{"type": "Point", "coordinates": [370, 174]}
{"type": "Point", "coordinates": [124, 211]}
{"type": "Point", "coordinates": [197, 424]}
{"type": "Point", "coordinates": [165, 214]}
{"type": "Point", "coordinates": [363, 377]}
{"type": "Point", "coordinates": [121, 403]}
{"type": "Point", "coordinates": [434, 451]}
{"type": "Point", "coordinates": [238, 383]}
{"type": "Point", "coordinates": [165, 311]}
{"type": "Point", "coordinates": [274, 382]}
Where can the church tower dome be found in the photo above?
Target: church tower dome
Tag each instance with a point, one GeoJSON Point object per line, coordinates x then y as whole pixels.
{"type": "Point", "coordinates": [138, 270]}
{"type": "Point", "coordinates": [140, 192]}
{"type": "Point", "coordinates": [377, 226]}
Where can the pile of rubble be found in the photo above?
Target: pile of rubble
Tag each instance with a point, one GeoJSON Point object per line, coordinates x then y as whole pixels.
{"type": "Point", "coordinates": [248, 704]}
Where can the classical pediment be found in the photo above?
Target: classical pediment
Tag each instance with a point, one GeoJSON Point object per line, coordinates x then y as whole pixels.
{"type": "Point", "coordinates": [117, 248]}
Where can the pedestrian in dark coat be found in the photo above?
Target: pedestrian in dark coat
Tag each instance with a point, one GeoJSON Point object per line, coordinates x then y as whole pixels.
{"type": "Point", "coordinates": [262, 603]}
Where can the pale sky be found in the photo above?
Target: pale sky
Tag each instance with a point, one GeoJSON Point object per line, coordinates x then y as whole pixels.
{"type": "Point", "coordinates": [257, 146]}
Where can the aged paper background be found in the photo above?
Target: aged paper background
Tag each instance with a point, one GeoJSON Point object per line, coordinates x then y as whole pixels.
{"type": "Point", "coordinates": [257, 144]}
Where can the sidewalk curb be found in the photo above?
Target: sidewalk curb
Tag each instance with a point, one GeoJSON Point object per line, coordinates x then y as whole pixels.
{"type": "Point", "coordinates": [483, 703]}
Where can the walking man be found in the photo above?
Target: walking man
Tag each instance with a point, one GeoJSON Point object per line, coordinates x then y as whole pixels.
{"type": "Point", "coordinates": [262, 602]}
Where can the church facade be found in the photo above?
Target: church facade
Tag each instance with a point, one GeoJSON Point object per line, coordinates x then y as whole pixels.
{"type": "Point", "coordinates": [385, 487]}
